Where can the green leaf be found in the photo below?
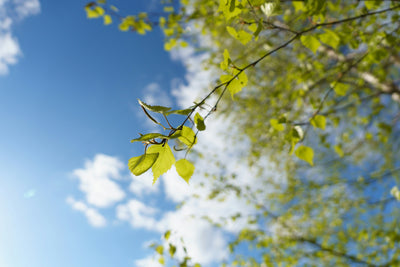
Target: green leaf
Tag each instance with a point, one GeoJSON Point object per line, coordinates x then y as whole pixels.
{"type": "Point", "coordinates": [305, 153]}
{"type": "Point", "coordinates": [242, 36]}
{"type": "Point", "coordinates": [180, 112]}
{"type": "Point", "coordinates": [310, 42]}
{"type": "Point", "coordinates": [185, 169]}
{"type": "Point", "coordinates": [339, 150]}
{"type": "Point", "coordinates": [159, 249]}
{"type": "Point", "coordinates": [164, 161]}
{"type": "Point", "coordinates": [94, 12]}
{"type": "Point", "coordinates": [157, 109]}
{"type": "Point", "coordinates": [199, 121]}
{"type": "Point", "coordinates": [276, 125]}
{"type": "Point", "coordinates": [139, 165]}
{"type": "Point", "coordinates": [225, 63]}
{"type": "Point", "coordinates": [373, 4]}
{"type": "Point", "coordinates": [186, 136]}
{"type": "Point", "coordinates": [319, 121]}
{"type": "Point", "coordinates": [172, 250]}
{"type": "Point", "coordinates": [330, 38]}
{"type": "Point", "coordinates": [341, 89]}
{"type": "Point", "coordinates": [167, 234]}
{"type": "Point", "coordinates": [107, 19]}
{"type": "Point", "coordinates": [149, 136]}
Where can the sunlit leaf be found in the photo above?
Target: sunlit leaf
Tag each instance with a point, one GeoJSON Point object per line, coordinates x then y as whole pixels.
{"type": "Point", "coordinates": [164, 161]}
{"type": "Point", "coordinates": [305, 153]}
{"type": "Point", "coordinates": [199, 121]}
{"type": "Point", "coordinates": [149, 136]}
{"type": "Point", "coordinates": [318, 121]}
{"type": "Point", "coordinates": [310, 42]}
{"type": "Point", "coordinates": [139, 165]}
{"type": "Point", "coordinates": [185, 169]}
{"type": "Point", "coordinates": [157, 109]}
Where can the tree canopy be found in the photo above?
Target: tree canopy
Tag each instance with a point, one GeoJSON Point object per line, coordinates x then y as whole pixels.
{"type": "Point", "coordinates": [314, 87]}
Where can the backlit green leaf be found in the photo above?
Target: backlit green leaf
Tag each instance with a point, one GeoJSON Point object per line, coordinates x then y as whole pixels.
{"type": "Point", "coordinates": [185, 169]}
{"type": "Point", "coordinates": [186, 136]}
{"type": "Point", "coordinates": [276, 125]}
{"type": "Point", "coordinates": [157, 109]}
{"type": "Point", "coordinates": [310, 42]}
{"type": "Point", "coordinates": [139, 165]}
{"type": "Point", "coordinates": [149, 136]}
{"type": "Point", "coordinates": [164, 161]}
{"type": "Point", "coordinates": [330, 38]}
{"type": "Point", "coordinates": [180, 112]}
{"type": "Point", "coordinates": [305, 153]}
{"type": "Point", "coordinates": [107, 19]}
{"type": "Point", "coordinates": [318, 121]}
{"type": "Point", "coordinates": [341, 89]}
{"type": "Point", "coordinates": [199, 121]}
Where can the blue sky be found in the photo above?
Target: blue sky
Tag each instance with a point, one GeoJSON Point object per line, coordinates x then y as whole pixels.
{"type": "Point", "coordinates": [68, 109]}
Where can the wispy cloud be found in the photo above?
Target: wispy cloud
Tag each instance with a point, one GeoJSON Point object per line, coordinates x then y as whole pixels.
{"type": "Point", "coordinates": [94, 217]}
{"type": "Point", "coordinates": [11, 11]}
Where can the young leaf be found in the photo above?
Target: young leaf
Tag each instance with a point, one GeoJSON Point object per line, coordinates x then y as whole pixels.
{"type": "Point", "coordinates": [330, 38]}
{"type": "Point", "coordinates": [167, 234]}
{"type": "Point", "coordinates": [276, 125]}
{"type": "Point", "coordinates": [164, 161]}
{"type": "Point", "coordinates": [184, 112]}
{"type": "Point", "coordinates": [107, 19]}
{"type": "Point", "coordinates": [172, 250]}
{"type": "Point", "coordinates": [186, 136]}
{"type": "Point", "coordinates": [199, 121]}
{"type": "Point", "coordinates": [185, 169]}
{"type": "Point", "coordinates": [157, 109]}
{"type": "Point", "coordinates": [305, 153]}
{"type": "Point", "coordinates": [139, 165]}
{"type": "Point", "coordinates": [149, 136]}
{"type": "Point", "coordinates": [310, 42]}
{"type": "Point", "coordinates": [225, 63]}
{"type": "Point", "coordinates": [341, 89]}
{"type": "Point", "coordinates": [318, 121]}
{"type": "Point", "coordinates": [338, 150]}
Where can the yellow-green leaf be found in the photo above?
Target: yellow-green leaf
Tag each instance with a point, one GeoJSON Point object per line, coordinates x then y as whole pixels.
{"type": "Point", "coordinates": [187, 136]}
{"type": "Point", "coordinates": [160, 249]}
{"type": "Point", "coordinates": [305, 153]}
{"type": "Point", "coordinates": [341, 89]}
{"type": "Point", "coordinates": [338, 150]}
{"type": "Point", "coordinates": [199, 121]}
{"type": "Point", "coordinates": [276, 125]}
{"type": "Point", "coordinates": [139, 165]}
{"type": "Point", "coordinates": [164, 161]}
{"type": "Point", "coordinates": [185, 169]}
{"type": "Point", "coordinates": [310, 42]}
{"type": "Point", "coordinates": [107, 19]}
{"type": "Point", "coordinates": [157, 109]}
{"type": "Point", "coordinates": [319, 121]}
{"type": "Point", "coordinates": [167, 234]}
{"type": "Point", "coordinates": [330, 38]}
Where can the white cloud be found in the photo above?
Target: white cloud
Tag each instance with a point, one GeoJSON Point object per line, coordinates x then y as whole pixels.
{"type": "Point", "coordinates": [96, 180]}
{"type": "Point", "coordinates": [11, 10]}
{"type": "Point", "coordinates": [9, 52]}
{"type": "Point", "coordinates": [138, 215]}
{"type": "Point", "coordinates": [150, 260]}
{"type": "Point", "coordinates": [25, 8]}
{"type": "Point", "coordinates": [143, 184]}
{"type": "Point", "coordinates": [94, 217]}
{"type": "Point", "coordinates": [155, 95]}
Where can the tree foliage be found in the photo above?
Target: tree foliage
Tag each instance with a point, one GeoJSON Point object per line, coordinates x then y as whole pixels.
{"type": "Point", "coordinates": [314, 86]}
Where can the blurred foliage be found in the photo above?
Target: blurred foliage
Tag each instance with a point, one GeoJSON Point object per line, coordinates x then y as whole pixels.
{"type": "Point", "coordinates": [315, 89]}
